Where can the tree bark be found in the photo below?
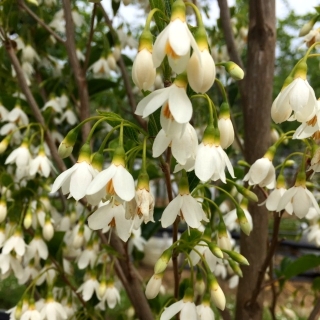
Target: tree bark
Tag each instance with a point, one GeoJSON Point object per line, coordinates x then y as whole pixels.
{"type": "Point", "coordinates": [256, 96]}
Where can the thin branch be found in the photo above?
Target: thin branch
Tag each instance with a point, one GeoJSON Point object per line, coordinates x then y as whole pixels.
{"type": "Point", "coordinates": [88, 46]}
{"type": "Point", "coordinates": [33, 104]}
{"type": "Point", "coordinates": [271, 251]}
{"type": "Point", "coordinates": [40, 21]}
{"type": "Point", "coordinates": [314, 315]}
{"type": "Point", "coordinates": [125, 76]}
{"type": "Point", "coordinates": [76, 67]}
{"type": "Point", "coordinates": [228, 33]}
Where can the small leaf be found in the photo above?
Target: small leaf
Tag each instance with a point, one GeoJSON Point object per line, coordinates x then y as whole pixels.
{"type": "Point", "coordinates": [6, 180]}
{"type": "Point", "coordinates": [301, 265]}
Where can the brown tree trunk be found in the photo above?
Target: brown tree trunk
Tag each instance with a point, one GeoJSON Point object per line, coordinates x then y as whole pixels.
{"type": "Point", "coordinates": [256, 95]}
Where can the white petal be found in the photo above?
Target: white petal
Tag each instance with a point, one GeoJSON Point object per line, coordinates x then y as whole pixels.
{"type": "Point", "coordinates": [169, 312]}
{"type": "Point", "coordinates": [179, 38]}
{"type": "Point", "coordinates": [179, 104]}
{"type": "Point", "coordinates": [160, 144]}
{"type": "Point", "coordinates": [286, 198]}
{"type": "Point", "coordinates": [101, 179]}
{"type": "Point", "coordinates": [191, 211]}
{"type": "Point", "coordinates": [61, 179]}
{"type": "Point", "coordinates": [170, 213]}
{"type": "Point", "coordinates": [101, 217]}
{"type": "Point", "coordinates": [123, 184]}
{"type": "Point", "coordinates": [80, 180]}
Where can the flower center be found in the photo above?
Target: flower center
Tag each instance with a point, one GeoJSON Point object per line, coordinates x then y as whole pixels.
{"type": "Point", "coordinates": [112, 223]}
{"type": "Point", "coordinates": [312, 122]}
{"type": "Point", "coordinates": [170, 52]}
{"type": "Point", "coordinates": [110, 188]}
{"type": "Point", "coordinates": [166, 112]}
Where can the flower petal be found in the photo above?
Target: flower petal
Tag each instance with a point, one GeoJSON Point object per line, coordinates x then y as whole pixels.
{"type": "Point", "coordinates": [123, 184]}
{"type": "Point", "coordinates": [169, 312]}
{"type": "Point", "coordinates": [170, 213]}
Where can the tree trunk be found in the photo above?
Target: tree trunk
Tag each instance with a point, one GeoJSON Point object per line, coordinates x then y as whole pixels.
{"type": "Point", "coordinates": [256, 95]}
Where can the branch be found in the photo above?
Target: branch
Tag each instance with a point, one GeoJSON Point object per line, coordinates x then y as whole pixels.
{"type": "Point", "coordinates": [33, 104]}
{"type": "Point", "coordinates": [315, 311]}
{"type": "Point", "coordinates": [125, 76]}
{"type": "Point", "coordinates": [88, 47]}
{"type": "Point", "coordinates": [40, 21]}
{"type": "Point", "coordinates": [271, 251]}
{"type": "Point", "coordinates": [127, 274]}
{"type": "Point", "coordinates": [228, 33]}
{"type": "Point", "coordinates": [76, 67]}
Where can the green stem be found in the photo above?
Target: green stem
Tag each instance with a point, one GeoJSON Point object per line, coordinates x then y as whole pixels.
{"type": "Point", "coordinates": [197, 13]}
{"type": "Point", "coordinates": [222, 89]}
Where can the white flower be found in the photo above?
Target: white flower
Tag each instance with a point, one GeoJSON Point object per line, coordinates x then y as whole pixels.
{"type": "Point", "coordinates": [101, 68]}
{"type": "Point", "coordinates": [205, 312]}
{"type": "Point", "coordinates": [174, 41]}
{"type": "Point", "coordinates": [112, 296]}
{"type": "Point", "coordinates": [87, 256]}
{"type": "Point", "coordinates": [153, 286]}
{"type": "Point", "coordinates": [143, 70]}
{"type": "Point", "coordinates": [262, 172]}
{"type": "Point", "coordinates": [37, 248]}
{"type": "Point", "coordinates": [3, 210]}
{"type": "Point", "coordinates": [75, 180]}
{"type": "Point", "coordinates": [210, 163]}
{"type": "Point", "coordinates": [54, 103]}
{"type": "Point", "coordinates": [69, 116]}
{"type": "Point", "coordinates": [273, 200]}
{"type": "Point", "coordinates": [53, 310]}
{"type": "Point", "coordinates": [9, 262]}
{"type": "Point", "coordinates": [16, 243]}
{"type": "Point", "coordinates": [187, 208]}
{"type": "Point", "coordinates": [202, 249]}
{"type": "Point", "coordinates": [40, 164]}
{"type": "Point", "coordinates": [301, 199]}
{"type": "Point", "coordinates": [145, 204]}
{"type": "Point", "coordinates": [77, 18]}
{"type": "Point", "coordinates": [111, 215]}
{"type": "Point", "coordinates": [182, 147]}
{"type": "Point", "coordinates": [115, 180]}
{"type": "Point", "coordinates": [178, 102]}
{"type": "Point", "coordinates": [31, 314]}
{"type": "Point", "coordinates": [20, 156]}
{"type": "Point", "coordinates": [298, 97]}
{"type": "Point", "coordinates": [90, 286]}
{"type": "Point", "coordinates": [201, 71]}
{"type": "Point", "coordinates": [231, 219]}
{"type": "Point", "coordinates": [29, 54]}
{"type": "Point", "coordinates": [186, 308]}
{"type": "Point", "coordinates": [315, 162]}
{"type": "Point", "coordinates": [226, 132]}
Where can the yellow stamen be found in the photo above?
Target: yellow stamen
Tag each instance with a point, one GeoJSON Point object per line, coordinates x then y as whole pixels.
{"type": "Point", "coordinates": [170, 52]}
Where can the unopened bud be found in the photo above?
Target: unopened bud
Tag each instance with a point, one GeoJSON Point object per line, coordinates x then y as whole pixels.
{"type": "Point", "coordinates": [235, 267]}
{"type": "Point", "coordinates": [237, 257]}
{"type": "Point", "coordinates": [154, 285]}
{"type": "Point", "coordinates": [3, 210]}
{"type": "Point", "coordinates": [234, 70]}
{"type": "Point", "coordinates": [163, 261]}
{"type": "Point", "coordinates": [216, 293]}
{"type": "Point", "coordinates": [243, 221]}
{"type": "Point", "coordinates": [48, 230]}
{"type": "Point", "coordinates": [27, 221]}
{"type": "Point", "coordinates": [216, 250]}
{"type": "Point", "coordinates": [247, 193]}
{"type": "Point", "coordinates": [66, 146]}
{"type": "Point", "coordinates": [4, 144]}
{"type": "Point", "coordinates": [307, 27]}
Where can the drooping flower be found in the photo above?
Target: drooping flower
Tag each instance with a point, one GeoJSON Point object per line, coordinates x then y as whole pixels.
{"type": "Point", "coordinates": [300, 198]}
{"type": "Point", "coordinates": [20, 156]}
{"type": "Point", "coordinates": [53, 310]}
{"type": "Point", "coordinates": [175, 96]}
{"type": "Point", "coordinates": [115, 180]}
{"type": "Point", "coordinates": [175, 41]}
{"type": "Point", "coordinates": [211, 160]}
{"type": "Point", "coordinates": [101, 68]}
{"type": "Point", "coordinates": [261, 173]}
{"type": "Point", "coordinates": [202, 249]}
{"type": "Point", "coordinates": [153, 286]}
{"type": "Point", "coordinates": [186, 307]}
{"type": "Point", "coordinates": [76, 180]}
{"type": "Point", "coordinates": [185, 206]}
{"type": "Point", "coordinates": [297, 97]}
{"type": "Point", "coordinates": [183, 146]}
{"type": "Point", "coordinates": [225, 126]}
{"type": "Point", "coordinates": [40, 164]}
{"type": "Point", "coordinates": [90, 286]}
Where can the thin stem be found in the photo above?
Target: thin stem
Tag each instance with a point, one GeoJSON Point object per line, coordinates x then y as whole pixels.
{"type": "Point", "coordinates": [40, 21]}
{"type": "Point", "coordinates": [88, 46]}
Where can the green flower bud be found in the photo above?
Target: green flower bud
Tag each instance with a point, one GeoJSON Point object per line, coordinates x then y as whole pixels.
{"type": "Point", "coordinates": [163, 261]}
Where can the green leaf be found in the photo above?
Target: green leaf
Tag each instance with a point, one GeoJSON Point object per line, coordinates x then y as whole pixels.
{"type": "Point", "coordinates": [301, 265]}
{"type": "Point", "coordinates": [98, 85]}
{"type": "Point", "coordinates": [55, 243]}
{"type": "Point", "coordinates": [193, 180]}
{"type": "Point", "coordinates": [6, 180]}
{"type": "Point", "coordinates": [191, 236]}
{"type": "Point", "coordinates": [115, 6]}
{"type": "Point", "coordinates": [154, 125]}
{"type": "Point", "coordinates": [316, 284]}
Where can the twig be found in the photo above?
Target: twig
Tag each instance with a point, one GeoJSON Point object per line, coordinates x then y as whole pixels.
{"type": "Point", "coordinates": [88, 46]}
{"type": "Point", "coordinates": [40, 21]}
{"type": "Point", "coordinates": [271, 251]}
{"type": "Point", "coordinates": [272, 308]}
{"type": "Point", "coordinates": [125, 76]}
{"type": "Point", "coordinates": [315, 311]}
{"type": "Point", "coordinates": [33, 104]}
{"type": "Point", "coordinates": [228, 33]}
{"type": "Point", "coordinates": [126, 272]}
{"type": "Point", "coordinates": [76, 67]}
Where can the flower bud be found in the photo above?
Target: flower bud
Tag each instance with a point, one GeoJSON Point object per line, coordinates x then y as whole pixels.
{"type": "Point", "coordinates": [216, 293]}
{"type": "Point", "coordinates": [216, 250]}
{"type": "Point", "coordinates": [102, 289]}
{"type": "Point", "coordinates": [234, 70]}
{"type": "Point", "coordinates": [235, 267]}
{"type": "Point", "coordinates": [243, 221]}
{"type": "Point", "coordinates": [3, 210]}
{"type": "Point", "coordinates": [27, 221]}
{"type": "Point", "coordinates": [154, 285]}
{"type": "Point", "coordinates": [237, 257]}
{"type": "Point", "coordinates": [48, 230]}
{"type": "Point", "coordinates": [97, 161]}
{"type": "Point", "coordinates": [4, 144]}
{"type": "Point", "coordinates": [85, 153]}
{"type": "Point", "coordinates": [163, 261]}
{"type": "Point", "coordinates": [307, 27]}
{"type": "Point", "coordinates": [247, 193]}
{"type": "Point", "coordinates": [66, 146]}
